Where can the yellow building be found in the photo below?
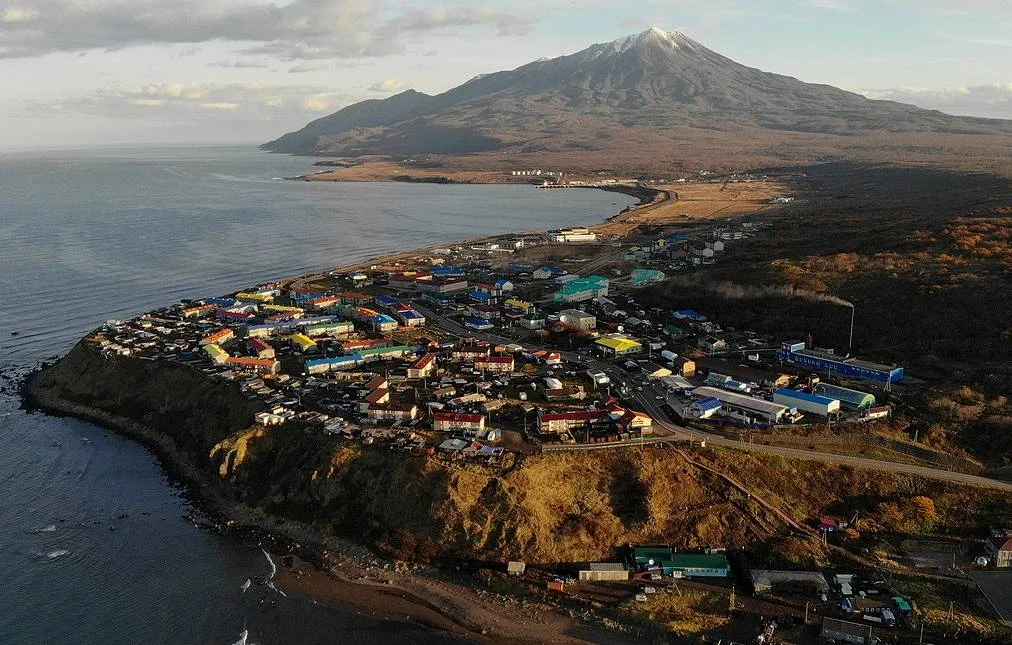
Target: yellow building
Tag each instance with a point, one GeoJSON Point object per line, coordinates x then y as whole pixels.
{"type": "Point", "coordinates": [304, 343]}
{"type": "Point", "coordinates": [217, 354]}
{"type": "Point", "coordinates": [618, 346]}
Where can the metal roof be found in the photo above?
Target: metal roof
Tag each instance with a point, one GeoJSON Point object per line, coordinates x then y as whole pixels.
{"type": "Point", "coordinates": [804, 396]}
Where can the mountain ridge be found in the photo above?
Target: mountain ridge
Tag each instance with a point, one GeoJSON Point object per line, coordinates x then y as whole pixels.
{"type": "Point", "coordinates": [655, 86]}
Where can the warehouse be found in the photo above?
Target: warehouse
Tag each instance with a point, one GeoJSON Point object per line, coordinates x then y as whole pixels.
{"type": "Point", "coordinates": [794, 352]}
{"type": "Point", "coordinates": [847, 397]}
{"type": "Point", "coordinates": [821, 405]}
{"type": "Point", "coordinates": [742, 373]}
{"type": "Point", "coordinates": [759, 409]}
{"type": "Point", "coordinates": [603, 571]}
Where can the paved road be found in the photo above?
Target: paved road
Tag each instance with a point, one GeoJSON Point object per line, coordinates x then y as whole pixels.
{"type": "Point", "coordinates": [667, 430]}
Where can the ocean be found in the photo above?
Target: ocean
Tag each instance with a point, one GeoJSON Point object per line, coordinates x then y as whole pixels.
{"type": "Point", "coordinates": [92, 533]}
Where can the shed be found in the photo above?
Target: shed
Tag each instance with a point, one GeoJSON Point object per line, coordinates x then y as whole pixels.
{"type": "Point", "coordinates": [516, 568]}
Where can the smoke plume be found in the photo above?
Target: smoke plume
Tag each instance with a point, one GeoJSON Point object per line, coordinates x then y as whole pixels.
{"type": "Point", "coordinates": [734, 291]}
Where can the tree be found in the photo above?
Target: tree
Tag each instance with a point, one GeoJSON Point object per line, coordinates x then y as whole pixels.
{"type": "Point", "coordinates": [924, 509]}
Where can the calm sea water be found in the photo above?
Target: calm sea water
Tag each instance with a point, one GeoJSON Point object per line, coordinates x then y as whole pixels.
{"type": "Point", "coordinates": [91, 532]}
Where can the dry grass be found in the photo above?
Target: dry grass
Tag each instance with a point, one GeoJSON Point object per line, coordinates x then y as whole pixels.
{"type": "Point", "coordinates": [692, 611]}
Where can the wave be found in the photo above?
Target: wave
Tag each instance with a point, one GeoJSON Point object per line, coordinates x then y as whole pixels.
{"type": "Point", "coordinates": [242, 637]}
{"type": "Point", "coordinates": [274, 567]}
{"type": "Point", "coordinates": [271, 585]}
{"type": "Point", "coordinates": [49, 528]}
{"type": "Point", "coordinates": [246, 584]}
{"type": "Point", "coordinates": [53, 555]}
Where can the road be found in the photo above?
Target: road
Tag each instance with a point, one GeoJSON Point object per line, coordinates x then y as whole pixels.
{"type": "Point", "coordinates": [668, 431]}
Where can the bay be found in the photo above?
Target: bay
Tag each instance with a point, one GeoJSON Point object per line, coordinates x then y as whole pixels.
{"type": "Point", "coordinates": [91, 531]}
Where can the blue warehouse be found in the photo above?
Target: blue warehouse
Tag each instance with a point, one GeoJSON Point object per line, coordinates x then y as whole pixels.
{"type": "Point", "coordinates": [794, 352]}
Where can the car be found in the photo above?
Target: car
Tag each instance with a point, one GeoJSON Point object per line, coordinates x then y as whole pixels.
{"type": "Point", "coordinates": [659, 397]}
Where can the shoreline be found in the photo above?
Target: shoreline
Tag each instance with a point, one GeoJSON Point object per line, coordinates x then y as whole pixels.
{"type": "Point", "coordinates": [336, 575]}
{"type": "Point", "coordinates": [339, 572]}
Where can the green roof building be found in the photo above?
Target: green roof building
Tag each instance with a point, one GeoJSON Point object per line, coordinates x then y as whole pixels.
{"type": "Point", "coordinates": [696, 565]}
{"type": "Point", "coordinates": [656, 554]}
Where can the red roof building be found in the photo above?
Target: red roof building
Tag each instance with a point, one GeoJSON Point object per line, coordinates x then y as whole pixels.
{"type": "Point", "coordinates": [423, 367]}
{"type": "Point", "coordinates": [556, 422]}
{"type": "Point", "coordinates": [446, 421]}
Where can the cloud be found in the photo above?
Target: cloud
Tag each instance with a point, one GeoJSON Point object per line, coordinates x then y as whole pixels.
{"type": "Point", "coordinates": [296, 30]}
{"type": "Point", "coordinates": [302, 68]}
{"type": "Point", "coordinates": [253, 101]}
{"type": "Point", "coordinates": [242, 64]}
{"type": "Point", "coordinates": [991, 101]}
{"type": "Point", "coordinates": [832, 5]}
{"type": "Point", "coordinates": [391, 85]}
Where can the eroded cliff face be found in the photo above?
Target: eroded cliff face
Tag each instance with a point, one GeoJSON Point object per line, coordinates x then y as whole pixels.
{"type": "Point", "coordinates": [560, 507]}
{"type": "Point", "coordinates": [176, 400]}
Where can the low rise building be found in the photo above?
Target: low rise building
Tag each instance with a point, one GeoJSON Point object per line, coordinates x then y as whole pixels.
{"type": "Point", "coordinates": [558, 422]}
{"type": "Point", "coordinates": [999, 547]}
{"type": "Point", "coordinates": [450, 421]}
{"type": "Point", "coordinates": [578, 319]}
{"type": "Point", "coordinates": [495, 364]}
{"type": "Point", "coordinates": [616, 345]}
{"type": "Point", "coordinates": [423, 367]}
{"type": "Point", "coordinates": [254, 365]}
{"type": "Point", "coordinates": [393, 412]}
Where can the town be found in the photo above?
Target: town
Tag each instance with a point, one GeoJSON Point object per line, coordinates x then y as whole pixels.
{"type": "Point", "coordinates": [482, 353]}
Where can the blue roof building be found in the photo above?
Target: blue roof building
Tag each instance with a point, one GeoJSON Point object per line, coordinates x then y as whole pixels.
{"type": "Point", "coordinates": [689, 314]}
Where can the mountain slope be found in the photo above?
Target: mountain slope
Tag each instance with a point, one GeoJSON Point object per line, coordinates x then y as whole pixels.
{"type": "Point", "coordinates": [648, 88]}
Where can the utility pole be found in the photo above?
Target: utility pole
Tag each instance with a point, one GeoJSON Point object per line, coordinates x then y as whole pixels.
{"type": "Point", "coordinates": [731, 606]}
{"type": "Point", "coordinates": [806, 611]}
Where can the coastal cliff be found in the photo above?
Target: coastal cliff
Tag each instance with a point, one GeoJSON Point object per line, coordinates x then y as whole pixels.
{"type": "Point", "coordinates": [564, 507]}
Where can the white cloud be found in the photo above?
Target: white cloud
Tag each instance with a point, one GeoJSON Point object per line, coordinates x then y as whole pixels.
{"type": "Point", "coordinates": [390, 85]}
{"type": "Point", "coordinates": [242, 64]}
{"type": "Point", "coordinates": [302, 68]}
{"type": "Point", "coordinates": [832, 5]}
{"type": "Point", "coordinates": [253, 101]}
{"type": "Point", "coordinates": [300, 29]}
{"type": "Point", "coordinates": [220, 106]}
{"type": "Point", "coordinates": [991, 101]}
{"type": "Point", "coordinates": [16, 14]}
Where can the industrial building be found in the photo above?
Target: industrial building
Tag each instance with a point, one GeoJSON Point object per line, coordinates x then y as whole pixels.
{"type": "Point", "coordinates": [794, 352]}
{"type": "Point", "coordinates": [760, 409]}
{"type": "Point", "coordinates": [742, 373]}
{"type": "Point", "coordinates": [847, 397]}
{"type": "Point", "coordinates": [813, 403]}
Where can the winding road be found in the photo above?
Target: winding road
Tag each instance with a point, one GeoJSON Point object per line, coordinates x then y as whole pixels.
{"type": "Point", "coordinates": [669, 432]}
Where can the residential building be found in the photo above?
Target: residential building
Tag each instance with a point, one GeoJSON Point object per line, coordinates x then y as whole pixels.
{"type": "Point", "coordinates": [424, 367]}
{"type": "Point", "coordinates": [495, 364]}
{"type": "Point", "coordinates": [254, 365]}
{"type": "Point", "coordinates": [578, 319]}
{"type": "Point", "coordinates": [557, 422]}
{"type": "Point", "coordinates": [999, 546]}
{"type": "Point", "coordinates": [449, 421]}
{"type": "Point", "coordinates": [393, 411]}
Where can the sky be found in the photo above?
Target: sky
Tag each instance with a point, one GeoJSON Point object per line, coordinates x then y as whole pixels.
{"type": "Point", "coordinates": [111, 72]}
